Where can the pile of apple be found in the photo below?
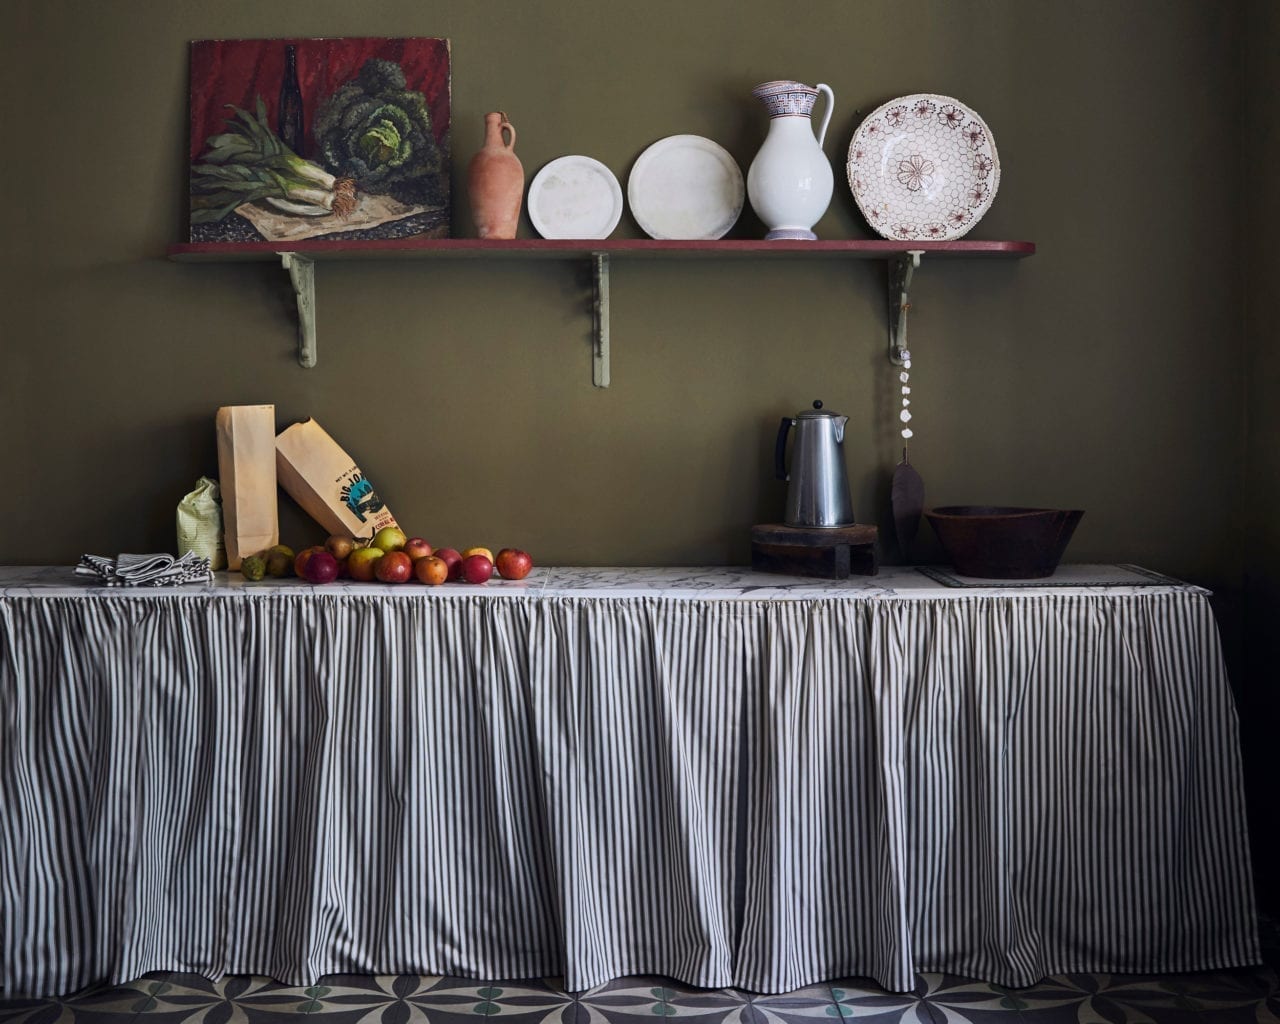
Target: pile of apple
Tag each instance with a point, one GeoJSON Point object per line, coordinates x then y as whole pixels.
{"type": "Point", "coordinates": [391, 557]}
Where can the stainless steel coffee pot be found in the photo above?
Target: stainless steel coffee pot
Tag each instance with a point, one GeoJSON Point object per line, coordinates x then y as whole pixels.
{"type": "Point", "coordinates": [818, 486]}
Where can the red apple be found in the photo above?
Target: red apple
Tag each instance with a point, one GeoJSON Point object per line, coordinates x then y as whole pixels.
{"type": "Point", "coordinates": [513, 564]}
{"type": "Point", "coordinates": [431, 570]}
{"type": "Point", "coordinates": [451, 558]}
{"type": "Point", "coordinates": [416, 547]}
{"type": "Point", "coordinates": [361, 561]}
{"type": "Point", "coordinates": [301, 559]}
{"type": "Point", "coordinates": [321, 567]}
{"type": "Point", "coordinates": [393, 567]}
{"type": "Point", "coordinates": [476, 569]}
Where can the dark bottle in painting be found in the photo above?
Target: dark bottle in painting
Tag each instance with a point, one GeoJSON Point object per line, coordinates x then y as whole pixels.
{"type": "Point", "coordinates": [289, 114]}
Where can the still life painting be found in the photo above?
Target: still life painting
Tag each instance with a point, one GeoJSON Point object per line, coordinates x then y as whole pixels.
{"type": "Point", "coordinates": [319, 139]}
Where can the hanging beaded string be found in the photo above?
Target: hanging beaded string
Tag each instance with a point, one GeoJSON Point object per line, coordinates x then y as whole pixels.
{"type": "Point", "coordinates": [905, 415]}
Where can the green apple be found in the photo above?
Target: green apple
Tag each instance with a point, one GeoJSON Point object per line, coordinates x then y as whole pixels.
{"type": "Point", "coordinates": [361, 562]}
{"type": "Point", "coordinates": [389, 538]}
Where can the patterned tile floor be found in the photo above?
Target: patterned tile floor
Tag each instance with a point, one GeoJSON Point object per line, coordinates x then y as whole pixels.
{"type": "Point", "coordinates": [1222, 997]}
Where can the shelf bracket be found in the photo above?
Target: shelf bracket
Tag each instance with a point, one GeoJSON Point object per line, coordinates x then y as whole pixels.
{"type": "Point", "coordinates": [901, 269]}
{"type": "Point", "coordinates": [600, 350]}
{"type": "Point", "coordinates": [302, 274]}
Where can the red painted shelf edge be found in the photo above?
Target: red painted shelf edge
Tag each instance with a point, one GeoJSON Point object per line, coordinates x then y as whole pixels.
{"type": "Point", "coordinates": [566, 248]}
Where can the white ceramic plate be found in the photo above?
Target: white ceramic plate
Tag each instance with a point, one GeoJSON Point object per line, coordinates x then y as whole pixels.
{"type": "Point", "coordinates": [575, 197]}
{"type": "Point", "coordinates": [685, 186]}
{"type": "Point", "coordinates": [923, 167]}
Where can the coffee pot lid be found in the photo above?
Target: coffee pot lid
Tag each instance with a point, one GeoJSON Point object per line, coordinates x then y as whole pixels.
{"type": "Point", "coordinates": [816, 412]}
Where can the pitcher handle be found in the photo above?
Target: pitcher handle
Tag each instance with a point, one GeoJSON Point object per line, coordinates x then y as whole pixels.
{"type": "Point", "coordinates": [826, 117]}
{"type": "Point", "coordinates": [780, 449]}
{"type": "Point", "coordinates": [507, 126]}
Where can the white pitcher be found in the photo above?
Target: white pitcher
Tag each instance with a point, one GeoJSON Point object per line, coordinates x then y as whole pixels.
{"type": "Point", "coordinates": [789, 182]}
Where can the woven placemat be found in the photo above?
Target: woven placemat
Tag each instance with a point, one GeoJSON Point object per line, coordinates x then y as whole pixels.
{"type": "Point", "coordinates": [1119, 575]}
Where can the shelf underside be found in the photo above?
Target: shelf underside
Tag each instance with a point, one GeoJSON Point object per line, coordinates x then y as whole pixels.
{"type": "Point", "coordinates": [299, 258]}
{"type": "Point", "coordinates": [565, 249]}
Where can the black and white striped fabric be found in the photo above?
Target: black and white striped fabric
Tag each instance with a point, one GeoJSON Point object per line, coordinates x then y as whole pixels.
{"type": "Point", "coordinates": [156, 570]}
{"type": "Point", "coordinates": [759, 794]}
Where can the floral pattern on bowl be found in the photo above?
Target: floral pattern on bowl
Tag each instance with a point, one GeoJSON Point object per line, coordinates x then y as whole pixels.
{"type": "Point", "coordinates": [923, 167]}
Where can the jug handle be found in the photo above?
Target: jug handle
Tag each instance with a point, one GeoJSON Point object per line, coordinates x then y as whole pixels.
{"type": "Point", "coordinates": [780, 450]}
{"type": "Point", "coordinates": [826, 117]}
{"type": "Point", "coordinates": [507, 126]}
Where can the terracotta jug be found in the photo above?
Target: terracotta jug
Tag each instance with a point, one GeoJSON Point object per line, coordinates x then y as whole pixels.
{"type": "Point", "coordinates": [495, 180]}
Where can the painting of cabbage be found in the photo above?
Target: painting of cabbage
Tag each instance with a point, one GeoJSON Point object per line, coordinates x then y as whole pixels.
{"type": "Point", "coordinates": [319, 139]}
{"type": "Point", "coordinates": [378, 131]}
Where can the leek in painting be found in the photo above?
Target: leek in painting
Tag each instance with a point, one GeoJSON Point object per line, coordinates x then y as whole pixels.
{"type": "Point", "coordinates": [249, 162]}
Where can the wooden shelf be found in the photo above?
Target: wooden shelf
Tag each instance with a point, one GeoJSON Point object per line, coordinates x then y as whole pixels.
{"type": "Point", "coordinates": [535, 248]}
{"type": "Point", "coordinates": [298, 259]}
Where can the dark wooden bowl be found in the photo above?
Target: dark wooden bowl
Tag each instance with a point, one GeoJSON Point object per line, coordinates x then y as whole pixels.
{"type": "Point", "coordinates": [1003, 543]}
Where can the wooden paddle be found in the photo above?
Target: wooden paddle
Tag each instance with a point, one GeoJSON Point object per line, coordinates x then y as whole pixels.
{"type": "Point", "coordinates": [907, 498]}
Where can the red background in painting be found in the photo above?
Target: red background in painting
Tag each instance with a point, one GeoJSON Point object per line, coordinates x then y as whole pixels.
{"type": "Point", "coordinates": [238, 70]}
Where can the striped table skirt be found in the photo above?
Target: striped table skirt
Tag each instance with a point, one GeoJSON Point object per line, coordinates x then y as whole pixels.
{"type": "Point", "coordinates": [723, 787]}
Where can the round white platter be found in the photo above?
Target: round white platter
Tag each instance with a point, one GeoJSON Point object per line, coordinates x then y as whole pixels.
{"type": "Point", "coordinates": [685, 187]}
{"type": "Point", "coordinates": [575, 197]}
{"type": "Point", "coordinates": [923, 167]}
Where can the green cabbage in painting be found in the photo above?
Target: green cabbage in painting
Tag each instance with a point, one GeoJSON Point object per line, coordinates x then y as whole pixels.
{"type": "Point", "coordinates": [378, 131]}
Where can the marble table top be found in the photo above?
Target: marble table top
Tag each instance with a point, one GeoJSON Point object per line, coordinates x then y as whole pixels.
{"type": "Point", "coordinates": [671, 582]}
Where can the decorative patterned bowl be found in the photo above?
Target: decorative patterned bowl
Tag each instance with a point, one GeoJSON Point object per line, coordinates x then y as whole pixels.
{"type": "Point", "coordinates": [923, 167]}
{"type": "Point", "coordinates": [1003, 543]}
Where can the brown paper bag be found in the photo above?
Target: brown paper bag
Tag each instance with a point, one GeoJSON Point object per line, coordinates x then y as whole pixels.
{"type": "Point", "coordinates": [322, 478]}
{"type": "Point", "coordinates": [247, 479]}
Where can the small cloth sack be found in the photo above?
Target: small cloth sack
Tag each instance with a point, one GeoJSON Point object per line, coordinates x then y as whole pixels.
{"type": "Point", "coordinates": [200, 524]}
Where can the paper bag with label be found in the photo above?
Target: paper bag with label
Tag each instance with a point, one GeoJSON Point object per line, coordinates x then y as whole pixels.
{"type": "Point", "coordinates": [322, 478]}
{"type": "Point", "coordinates": [247, 479]}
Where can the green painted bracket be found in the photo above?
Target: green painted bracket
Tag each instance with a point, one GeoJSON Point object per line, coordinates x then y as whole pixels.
{"type": "Point", "coordinates": [901, 269]}
{"type": "Point", "coordinates": [302, 274]}
{"type": "Point", "coordinates": [600, 350]}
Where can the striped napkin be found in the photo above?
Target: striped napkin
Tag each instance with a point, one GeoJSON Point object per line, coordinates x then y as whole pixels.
{"type": "Point", "coordinates": [159, 570]}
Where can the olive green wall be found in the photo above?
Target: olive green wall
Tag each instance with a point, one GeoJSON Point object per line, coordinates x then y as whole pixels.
{"type": "Point", "coordinates": [1259, 697]}
{"type": "Point", "coordinates": [1107, 372]}
{"type": "Point", "coordinates": [1100, 373]}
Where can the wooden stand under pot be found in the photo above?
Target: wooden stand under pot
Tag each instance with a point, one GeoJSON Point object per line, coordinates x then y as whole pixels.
{"type": "Point", "coordinates": [833, 553]}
